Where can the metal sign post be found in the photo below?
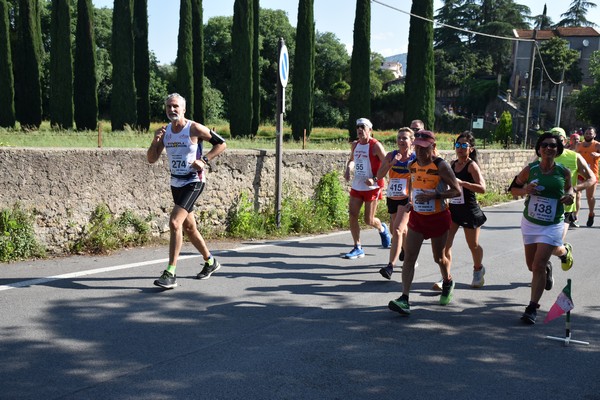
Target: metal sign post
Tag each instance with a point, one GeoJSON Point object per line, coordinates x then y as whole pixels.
{"type": "Point", "coordinates": [284, 70]}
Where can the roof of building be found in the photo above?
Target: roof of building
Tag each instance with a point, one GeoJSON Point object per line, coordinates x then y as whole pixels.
{"type": "Point", "coordinates": [571, 31]}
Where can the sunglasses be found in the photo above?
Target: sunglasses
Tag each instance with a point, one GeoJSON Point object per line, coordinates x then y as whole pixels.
{"type": "Point", "coordinates": [543, 145]}
{"type": "Point", "coordinates": [361, 126]}
{"type": "Point", "coordinates": [422, 136]}
{"type": "Point", "coordinates": [415, 130]}
{"type": "Point", "coordinates": [463, 145]}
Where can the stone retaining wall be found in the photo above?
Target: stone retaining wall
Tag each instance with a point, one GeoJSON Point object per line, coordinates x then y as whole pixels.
{"type": "Point", "coordinates": [62, 187]}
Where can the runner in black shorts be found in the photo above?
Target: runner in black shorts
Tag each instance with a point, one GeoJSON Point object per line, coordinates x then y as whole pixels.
{"type": "Point", "coordinates": [396, 165]}
{"type": "Point", "coordinates": [464, 209]}
{"type": "Point", "coordinates": [183, 140]}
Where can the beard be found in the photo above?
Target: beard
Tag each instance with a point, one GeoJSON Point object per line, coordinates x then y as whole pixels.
{"type": "Point", "coordinates": [588, 140]}
{"type": "Point", "coordinates": [173, 117]}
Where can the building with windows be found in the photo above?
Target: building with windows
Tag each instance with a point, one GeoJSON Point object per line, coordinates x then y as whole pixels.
{"type": "Point", "coordinates": [586, 40]}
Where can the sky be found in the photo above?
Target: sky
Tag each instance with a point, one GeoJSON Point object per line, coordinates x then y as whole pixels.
{"type": "Point", "coordinates": [389, 28]}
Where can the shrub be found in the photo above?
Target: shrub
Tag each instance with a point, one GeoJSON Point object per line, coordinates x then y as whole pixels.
{"type": "Point", "coordinates": [326, 210]}
{"type": "Point", "coordinates": [105, 232]}
{"type": "Point", "coordinates": [244, 221]}
{"type": "Point", "coordinates": [331, 199]}
{"type": "Point", "coordinates": [504, 130]}
{"type": "Point", "coordinates": [17, 237]}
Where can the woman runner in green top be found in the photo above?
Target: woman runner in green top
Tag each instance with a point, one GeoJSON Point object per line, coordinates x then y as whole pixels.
{"type": "Point", "coordinates": [547, 186]}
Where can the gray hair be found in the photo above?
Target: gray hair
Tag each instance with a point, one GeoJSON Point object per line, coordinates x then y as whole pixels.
{"type": "Point", "coordinates": [175, 95]}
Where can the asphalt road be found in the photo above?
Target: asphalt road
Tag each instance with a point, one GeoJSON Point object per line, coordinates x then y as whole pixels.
{"type": "Point", "coordinates": [293, 320]}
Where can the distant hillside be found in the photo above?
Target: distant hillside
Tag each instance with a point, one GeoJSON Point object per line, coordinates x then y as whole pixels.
{"type": "Point", "coordinates": [401, 58]}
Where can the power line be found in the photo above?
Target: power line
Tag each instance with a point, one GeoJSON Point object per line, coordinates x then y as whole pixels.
{"type": "Point", "coordinates": [544, 66]}
{"type": "Point", "coordinates": [535, 43]}
{"type": "Point", "coordinates": [453, 27]}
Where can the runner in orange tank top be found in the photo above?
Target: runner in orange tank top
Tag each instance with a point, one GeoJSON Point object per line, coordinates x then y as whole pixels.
{"type": "Point", "coordinates": [432, 182]}
{"type": "Point", "coordinates": [590, 151]}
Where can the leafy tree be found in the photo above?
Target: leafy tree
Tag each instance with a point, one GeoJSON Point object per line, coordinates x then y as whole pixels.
{"type": "Point", "coordinates": [543, 21]}
{"type": "Point", "coordinates": [576, 14]}
{"type": "Point", "coordinates": [61, 66]}
{"type": "Point", "coordinates": [103, 39]}
{"type": "Point", "coordinates": [458, 13]}
{"type": "Point", "coordinates": [240, 103]}
{"type": "Point", "coordinates": [215, 103]}
{"type": "Point", "coordinates": [217, 53]}
{"type": "Point", "coordinates": [499, 18]}
{"type": "Point", "coordinates": [479, 93]}
{"type": "Point", "coordinates": [378, 76]}
{"type": "Point", "coordinates": [185, 57]}
{"type": "Point", "coordinates": [157, 91]}
{"type": "Point", "coordinates": [123, 97]}
{"type": "Point", "coordinates": [84, 78]}
{"type": "Point", "coordinates": [304, 71]}
{"type": "Point", "coordinates": [587, 104]}
{"type": "Point", "coordinates": [141, 63]}
{"type": "Point", "coordinates": [332, 69]}
{"type": "Point", "coordinates": [7, 88]}
{"type": "Point", "coordinates": [198, 61]}
{"type": "Point", "coordinates": [28, 66]}
{"type": "Point", "coordinates": [359, 102]}
{"type": "Point", "coordinates": [558, 58]}
{"type": "Point", "coordinates": [331, 61]}
{"type": "Point", "coordinates": [325, 113]}
{"type": "Point", "coordinates": [274, 24]}
{"type": "Point", "coordinates": [218, 49]}
{"type": "Point", "coordinates": [594, 66]}
{"type": "Point", "coordinates": [420, 78]}
{"type": "Point", "coordinates": [504, 130]}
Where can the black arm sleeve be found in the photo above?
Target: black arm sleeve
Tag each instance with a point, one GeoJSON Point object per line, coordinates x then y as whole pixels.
{"type": "Point", "coordinates": [215, 138]}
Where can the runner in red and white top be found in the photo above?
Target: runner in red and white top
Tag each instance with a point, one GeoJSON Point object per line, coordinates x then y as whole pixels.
{"type": "Point", "coordinates": [365, 159]}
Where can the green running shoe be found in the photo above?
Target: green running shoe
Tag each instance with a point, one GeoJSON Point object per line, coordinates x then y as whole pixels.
{"type": "Point", "coordinates": [400, 305]}
{"type": "Point", "coordinates": [447, 293]}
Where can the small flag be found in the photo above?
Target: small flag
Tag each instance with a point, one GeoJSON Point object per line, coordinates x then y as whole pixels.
{"type": "Point", "coordinates": [563, 304]}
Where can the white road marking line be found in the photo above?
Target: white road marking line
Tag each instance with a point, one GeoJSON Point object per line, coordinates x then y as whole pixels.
{"type": "Point", "coordinates": [41, 281]}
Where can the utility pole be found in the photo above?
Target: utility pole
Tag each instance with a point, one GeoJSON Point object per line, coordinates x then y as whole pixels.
{"type": "Point", "coordinates": [559, 98]}
{"type": "Point", "coordinates": [283, 67]}
{"type": "Point", "coordinates": [530, 81]}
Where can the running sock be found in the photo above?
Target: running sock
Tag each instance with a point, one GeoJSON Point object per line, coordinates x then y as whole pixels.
{"type": "Point", "coordinates": [171, 269]}
{"type": "Point", "coordinates": [534, 305]}
{"type": "Point", "coordinates": [211, 260]}
{"type": "Point", "coordinates": [563, 258]}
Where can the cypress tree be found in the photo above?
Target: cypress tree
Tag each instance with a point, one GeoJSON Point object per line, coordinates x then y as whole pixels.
{"type": "Point", "coordinates": [419, 87]}
{"type": "Point", "coordinates": [61, 66]}
{"type": "Point", "coordinates": [240, 104]}
{"type": "Point", "coordinates": [255, 69]}
{"type": "Point", "coordinates": [198, 58]}
{"type": "Point", "coordinates": [85, 82]}
{"type": "Point", "coordinates": [123, 102]}
{"type": "Point", "coordinates": [7, 88]}
{"type": "Point", "coordinates": [359, 100]}
{"type": "Point", "coordinates": [141, 63]}
{"type": "Point", "coordinates": [29, 88]}
{"type": "Point", "coordinates": [304, 71]}
{"type": "Point", "coordinates": [185, 72]}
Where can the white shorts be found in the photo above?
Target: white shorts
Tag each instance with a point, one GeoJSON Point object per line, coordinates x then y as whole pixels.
{"type": "Point", "coordinates": [549, 234]}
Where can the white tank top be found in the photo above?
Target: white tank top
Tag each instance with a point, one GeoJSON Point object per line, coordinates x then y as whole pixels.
{"type": "Point", "coordinates": [182, 153]}
{"type": "Point", "coordinates": [362, 168]}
